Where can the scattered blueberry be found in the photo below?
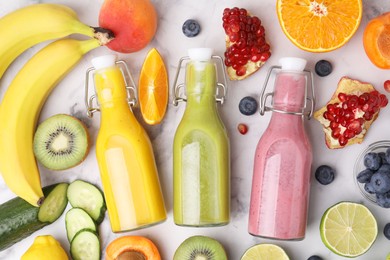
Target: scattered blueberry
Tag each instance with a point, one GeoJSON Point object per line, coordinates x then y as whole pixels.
{"type": "Point", "coordinates": [364, 176]}
{"type": "Point", "coordinates": [314, 257]}
{"type": "Point", "coordinates": [323, 68]}
{"type": "Point", "coordinates": [372, 161]}
{"type": "Point", "coordinates": [369, 188]}
{"type": "Point", "coordinates": [383, 199]}
{"type": "Point", "coordinates": [324, 174]}
{"type": "Point", "coordinates": [380, 182]}
{"type": "Point", "coordinates": [386, 231]}
{"type": "Point", "coordinates": [191, 28]}
{"type": "Point", "coordinates": [247, 106]}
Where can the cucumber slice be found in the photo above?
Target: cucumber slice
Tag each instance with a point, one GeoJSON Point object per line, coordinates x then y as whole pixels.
{"type": "Point", "coordinates": [77, 219]}
{"type": "Point", "coordinates": [54, 204]}
{"type": "Point", "coordinates": [85, 246]}
{"type": "Point", "coordinates": [82, 194]}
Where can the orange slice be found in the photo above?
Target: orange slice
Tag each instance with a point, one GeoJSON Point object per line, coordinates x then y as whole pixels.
{"type": "Point", "coordinates": [153, 88]}
{"type": "Point", "coordinates": [319, 25]}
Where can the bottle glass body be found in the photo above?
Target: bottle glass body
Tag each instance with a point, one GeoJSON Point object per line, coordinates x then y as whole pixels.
{"type": "Point", "coordinates": [125, 157]}
{"type": "Point", "coordinates": [281, 177]}
{"type": "Point", "coordinates": [201, 156]}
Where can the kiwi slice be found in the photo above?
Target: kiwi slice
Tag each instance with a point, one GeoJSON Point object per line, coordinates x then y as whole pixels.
{"type": "Point", "coordinates": [200, 247]}
{"type": "Point", "coordinates": [61, 142]}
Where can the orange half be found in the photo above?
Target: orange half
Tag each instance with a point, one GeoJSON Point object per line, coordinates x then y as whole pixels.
{"type": "Point", "coordinates": [319, 25]}
{"type": "Point", "coordinates": [153, 88]}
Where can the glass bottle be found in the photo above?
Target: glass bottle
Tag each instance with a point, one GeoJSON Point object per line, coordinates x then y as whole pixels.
{"type": "Point", "coordinates": [201, 156]}
{"type": "Point", "coordinates": [281, 175]}
{"type": "Point", "coordinates": [124, 152]}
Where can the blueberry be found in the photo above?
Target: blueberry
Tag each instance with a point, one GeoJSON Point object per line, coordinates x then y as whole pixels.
{"type": "Point", "coordinates": [382, 155]}
{"type": "Point", "coordinates": [388, 155]}
{"type": "Point", "coordinates": [314, 257]}
{"type": "Point", "coordinates": [324, 174]}
{"type": "Point", "coordinates": [385, 168]}
{"type": "Point", "coordinates": [386, 231]}
{"type": "Point", "coordinates": [369, 188]}
{"type": "Point", "coordinates": [372, 161]}
{"type": "Point", "coordinates": [364, 176]}
{"type": "Point", "coordinates": [380, 181]}
{"type": "Point", "coordinates": [247, 106]}
{"type": "Point", "coordinates": [383, 200]}
{"type": "Point", "coordinates": [191, 28]}
{"type": "Point", "coordinates": [323, 68]}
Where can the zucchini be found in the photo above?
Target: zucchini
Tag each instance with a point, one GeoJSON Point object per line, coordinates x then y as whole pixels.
{"type": "Point", "coordinates": [19, 219]}
{"type": "Point", "coordinates": [85, 246]}
{"type": "Point", "coordinates": [82, 194]}
{"type": "Point", "coordinates": [77, 219]}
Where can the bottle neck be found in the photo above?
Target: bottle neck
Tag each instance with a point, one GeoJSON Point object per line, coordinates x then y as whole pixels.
{"type": "Point", "coordinates": [111, 92]}
{"type": "Point", "coordinates": [201, 84]}
{"type": "Point", "coordinates": [290, 91]}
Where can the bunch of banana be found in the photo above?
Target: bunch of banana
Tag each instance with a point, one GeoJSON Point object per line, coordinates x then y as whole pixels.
{"type": "Point", "coordinates": [37, 23]}
{"type": "Point", "coordinates": [20, 109]}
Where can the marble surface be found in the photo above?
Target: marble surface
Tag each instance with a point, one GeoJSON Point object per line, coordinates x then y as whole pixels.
{"type": "Point", "coordinates": [350, 60]}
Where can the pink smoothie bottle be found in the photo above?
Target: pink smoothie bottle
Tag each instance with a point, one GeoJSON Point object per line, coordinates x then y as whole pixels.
{"type": "Point", "coordinates": [281, 176]}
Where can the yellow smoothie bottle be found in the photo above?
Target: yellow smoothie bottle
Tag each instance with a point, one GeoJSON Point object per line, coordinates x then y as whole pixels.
{"type": "Point", "coordinates": [124, 152]}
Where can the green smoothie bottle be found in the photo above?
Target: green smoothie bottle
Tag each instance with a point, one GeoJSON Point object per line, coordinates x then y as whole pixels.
{"type": "Point", "coordinates": [201, 157]}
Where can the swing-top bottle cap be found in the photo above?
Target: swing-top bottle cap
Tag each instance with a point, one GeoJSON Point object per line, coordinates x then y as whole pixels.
{"type": "Point", "coordinates": [200, 54]}
{"type": "Point", "coordinates": [292, 63]}
{"type": "Point", "coordinates": [104, 61]}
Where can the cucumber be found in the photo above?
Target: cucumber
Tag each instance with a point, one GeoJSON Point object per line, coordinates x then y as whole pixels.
{"type": "Point", "coordinates": [19, 219]}
{"type": "Point", "coordinates": [77, 219]}
{"type": "Point", "coordinates": [54, 205]}
{"type": "Point", "coordinates": [82, 194]}
{"type": "Point", "coordinates": [85, 246]}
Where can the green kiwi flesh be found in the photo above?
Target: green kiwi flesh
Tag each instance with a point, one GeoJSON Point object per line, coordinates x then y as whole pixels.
{"type": "Point", "coordinates": [200, 247]}
{"type": "Point", "coordinates": [61, 142]}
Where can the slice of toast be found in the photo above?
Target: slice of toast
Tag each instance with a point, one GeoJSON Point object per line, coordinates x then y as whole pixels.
{"type": "Point", "coordinates": [349, 87]}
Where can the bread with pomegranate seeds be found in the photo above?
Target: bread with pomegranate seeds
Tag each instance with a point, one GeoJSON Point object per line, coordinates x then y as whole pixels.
{"type": "Point", "coordinates": [346, 121]}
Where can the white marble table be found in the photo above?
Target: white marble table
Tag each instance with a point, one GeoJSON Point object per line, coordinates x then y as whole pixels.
{"type": "Point", "coordinates": [349, 60]}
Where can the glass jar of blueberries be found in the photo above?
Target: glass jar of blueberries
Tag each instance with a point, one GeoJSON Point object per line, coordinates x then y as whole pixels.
{"type": "Point", "coordinates": [372, 173]}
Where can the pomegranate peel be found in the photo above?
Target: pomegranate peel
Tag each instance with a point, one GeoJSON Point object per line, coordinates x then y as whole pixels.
{"type": "Point", "coordinates": [246, 47]}
{"type": "Point", "coordinates": [350, 112]}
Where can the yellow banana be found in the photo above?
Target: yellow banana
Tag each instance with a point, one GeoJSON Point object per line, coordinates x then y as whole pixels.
{"type": "Point", "coordinates": [28, 26]}
{"type": "Point", "coordinates": [20, 111]}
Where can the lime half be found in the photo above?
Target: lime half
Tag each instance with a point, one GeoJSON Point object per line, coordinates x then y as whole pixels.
{"type": "Point", "coordinates": [264, 252]}
{"type": "Point", "coordinates": [348, 229]}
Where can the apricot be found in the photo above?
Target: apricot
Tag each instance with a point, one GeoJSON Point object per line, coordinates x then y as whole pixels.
{"type": "Point", "coordinates": [133, 22]}
{"type": "Point", "coordinates": [376, 41]}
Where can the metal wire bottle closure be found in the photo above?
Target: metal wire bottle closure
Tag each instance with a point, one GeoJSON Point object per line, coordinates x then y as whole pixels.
{"type": "Point", "coordinates": [219, 97]}
{"type": "Point", "coordinates": [92, 103]}
{"type": "Point", "coordinates": [304, 112]}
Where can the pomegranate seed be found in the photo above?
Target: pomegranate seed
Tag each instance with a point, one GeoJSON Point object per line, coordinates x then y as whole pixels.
{"type": "Point", "coordinates": [383, 101]}
{"type": "Point", "coordinates": [342, 97]}
{"type": "Point", "coordinates": [343, 140]}
{"type": "Point", "coordinates": [333, 125]}
{"type": "Point", "coordinates": [242, 128]}
{"type": "Point", "coordinates": [349, 134]}
{"type": "Point", "coordinates": [367, 116]}
{"type": "Point", "coordinates": [363, 98]}
{"type": "Point", "coordinates": [336, 133]}
{"type": "Point", "coordinates": [241, 71]}
{"type": "Point", "coordinates": [265, 56]}
{"type": "Point", "coordinates": [354, 125]}
{"type": "Point", "coordinates": [386, 85]}
{"type": "Point", "coordinates": [353, 101]}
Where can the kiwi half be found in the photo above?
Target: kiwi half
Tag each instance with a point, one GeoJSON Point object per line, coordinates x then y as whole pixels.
{"type": "Point", "coordinates": [61, 142]}
{"type": "Point", "coordinates": [200, 247]}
